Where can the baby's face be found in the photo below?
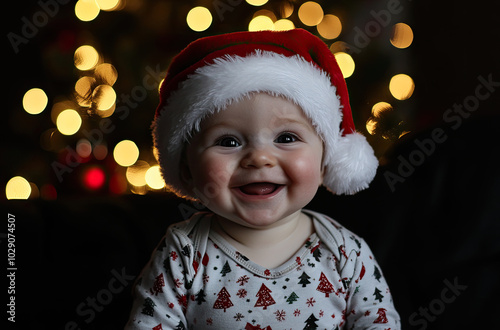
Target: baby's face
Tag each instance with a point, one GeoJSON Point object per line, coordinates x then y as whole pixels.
{"type": "Point", "coordinates": [256, 162]}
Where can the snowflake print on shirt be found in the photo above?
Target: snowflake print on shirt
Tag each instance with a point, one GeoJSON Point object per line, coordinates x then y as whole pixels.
{"type": "Point", "coordinates": [243, 280]}
{"type": "Point", "coordinates": [280, 315]}
{"type": "Point", "coordinates": [242, 293]}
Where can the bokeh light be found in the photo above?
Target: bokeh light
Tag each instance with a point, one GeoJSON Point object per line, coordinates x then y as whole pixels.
{"type": "Point", "coordinates": [126, 153]}
{"type": "Point", "coordinates": [199, 19]}
{"type": "Point", "coordinates": [256, 2]}
{"type": "Point", "coordinates": [265, 12]}
{"type": "Point", "coordinates": [380, 107]}
{"type": "Point", "coordinates": [83, 148]}
{"type": "Point", "coordinates": [136, 174]}
{"type": "Point", "coordinates": [310, 13]}
{"type": "Point", "coordinates": [86, 58]}
{"type": "Point", "coordinates": [18, 188]}
{"type": "Point", "coordinates": [106, 74]}
{"type": "Point", "coordinates": [48, 192]}
{"type": "Point", "coordinates": [283, 25]}
{"type": "Point", "coordinates": [330, 27]}
{"type": "Point", "coordinates": [401, 86]}
{"type": "Point", "coordinates": [68, 122]}
{"type": "Point", "coordinates": [94, 178]}
{"type": "Point", "coordinates": [108, 4]}
{"type": "Point", "coordinates": [286, 9]}
{"type": "Point", "coordinates": [86, 10]}
{"type": "Point", "coordinates": [100, 151]}
{"type": "Point", "coordinates": [261, 23]}
{"type": "Point", "coordinates": [371, 126]}
{"type": "Point", "coordinates": [35, 101]}
{"type": "Point", "coordinates": [153, 178]}
{"type": "Point", "coordinates": [103, 97]}
{"type": "Point", "coordinates": [83, 89]}
{"type": "Point", "coordinates": [401, 35]}
{"type": "Point", "coordinates": [346, 64]}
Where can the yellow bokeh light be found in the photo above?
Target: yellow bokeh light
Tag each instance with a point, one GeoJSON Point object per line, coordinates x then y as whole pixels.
{"type": "Point", "coordinates": [330, 27]}
{"type": "Point", "coordinates": [261, 23]}
{"type": "Point", "coordinates": [401, 86]}
{"type": "Point", "coordinates": [126, 153]}
{"type": "Point", "coordinates": [35, 101]}
{"type": "Point", "coordinates": [286, 9]}
{"type": "Point", "coordinates": [83, 89]}
{"type": "Point", "coordinates": [346, 64]}
{"type": "Point", "coordinates": [106, 73]}
{"type": "Point", "coordinates": [86, 10]}
{"type": "Point", "coordinates": [283, 25]}
{"type": "Point", "coordinates": [136, 174]}
{"type": "Point", "coordinates": [104, 97]}
{"type": "Point", "coordinates": [108, 4]}
{"type": "Point", "coordinates": [86, 58]}
{"type": "Point", "coordinates": [371, 125]}
{"type": "Point", "coordinates": [401, 35]}
{"type": "Point", "coordinates": [68, 122]}
{"type": "Point", "coordinates": [199, 19]}
{"type": "Point", "coordinates": [265, 12]}
{"type": "Point", "coordinates": [153, 178]}
{"type": "Point", "coordinates": [380, 107]}
{"type": "Point", "coordinates": [256, 2]}
{"type": "Point", "coordinates": [310, 13]}
{"type": "Point", "coordinates": [18, 188]}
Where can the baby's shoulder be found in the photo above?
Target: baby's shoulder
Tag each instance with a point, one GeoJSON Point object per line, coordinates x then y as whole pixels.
{"type": "Point", "coordinates": [333, 234]}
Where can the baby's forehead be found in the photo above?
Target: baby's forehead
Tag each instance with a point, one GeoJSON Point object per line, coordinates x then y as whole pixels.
{"type": "Point", "coordinates": [260, 105]}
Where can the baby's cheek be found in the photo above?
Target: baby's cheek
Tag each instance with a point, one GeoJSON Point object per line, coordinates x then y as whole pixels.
{"type": "Point", "coordinates": [305, 170]}
{"type": "Point", "coordinates": [213, 174]}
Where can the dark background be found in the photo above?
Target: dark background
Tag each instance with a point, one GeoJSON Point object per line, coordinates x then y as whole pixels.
{"type": "Point", "coordinates": [438, 223]}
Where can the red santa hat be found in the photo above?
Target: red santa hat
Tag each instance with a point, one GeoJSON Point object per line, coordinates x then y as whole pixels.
{"type": "Point", "coordinates": [212, 72]}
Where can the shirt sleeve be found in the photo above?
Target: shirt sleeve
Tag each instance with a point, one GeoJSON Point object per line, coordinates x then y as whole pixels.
{"type": "Point", "coordinates": [369, 301]}
{"type": "Point", "coordinates": [161, 292]}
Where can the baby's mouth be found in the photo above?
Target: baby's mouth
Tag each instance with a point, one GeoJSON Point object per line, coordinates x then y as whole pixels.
{"type": "Point", "coordinates": [259, 188]}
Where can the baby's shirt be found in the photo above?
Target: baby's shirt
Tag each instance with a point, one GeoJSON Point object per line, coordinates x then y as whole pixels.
{"type": "Point", "coordinates": [197, 280]}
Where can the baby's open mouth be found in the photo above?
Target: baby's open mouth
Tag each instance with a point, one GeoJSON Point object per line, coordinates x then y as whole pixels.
{"type": "Point", "coordinates": [259, 188]}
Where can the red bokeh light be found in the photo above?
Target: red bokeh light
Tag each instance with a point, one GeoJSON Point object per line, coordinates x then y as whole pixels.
{"type": "Point", "coordinates": [94, 178]}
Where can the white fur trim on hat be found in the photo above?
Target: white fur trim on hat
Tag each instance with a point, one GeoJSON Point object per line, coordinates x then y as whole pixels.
{"type": "Point", "coordinates": [212, 87]}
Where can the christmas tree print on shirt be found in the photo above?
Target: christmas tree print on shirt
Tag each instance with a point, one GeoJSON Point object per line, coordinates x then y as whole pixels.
{"type": "Point", "coordinates": [148, 307]}
{"type": "Point", "coordinates": [378, 294]}
{"type": "Point", "coordinates": [304, 279]}
{"type": "Point", "coordinates": [223, 301]}
{"type": "Point", "coordinates": [157, 285]}
{"type": "Point", "coordinates": [325, 286]}
{"type": "Point", "coordinates": [311, 322]}
{"type": "Point", "coordinates": [382, 318]}
{"type": "Point", "coordinates": [293, 297]}
{"type": "Point", "coordinates": [265, 298]}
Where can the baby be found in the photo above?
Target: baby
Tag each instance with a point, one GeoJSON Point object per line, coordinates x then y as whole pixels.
{"type": "Point", "coordinates": [251, 124]}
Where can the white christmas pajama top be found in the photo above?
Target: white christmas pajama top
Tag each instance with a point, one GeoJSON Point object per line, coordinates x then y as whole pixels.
{"type": "Point", "coordinates": [197, 280]}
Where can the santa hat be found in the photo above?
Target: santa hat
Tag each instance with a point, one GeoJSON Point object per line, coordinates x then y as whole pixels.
{"type": "Point", "coordinates": [212, 72]}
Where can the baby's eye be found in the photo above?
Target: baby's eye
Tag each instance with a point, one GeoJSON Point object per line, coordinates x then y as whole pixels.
{"type": "Point", "coordinates": [286, 138]}
{"type": "Point", "coordinates": [228, 142]}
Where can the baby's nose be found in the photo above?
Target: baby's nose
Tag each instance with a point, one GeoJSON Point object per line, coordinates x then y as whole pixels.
{"type": "Point", "coordinates": [258, 158]}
